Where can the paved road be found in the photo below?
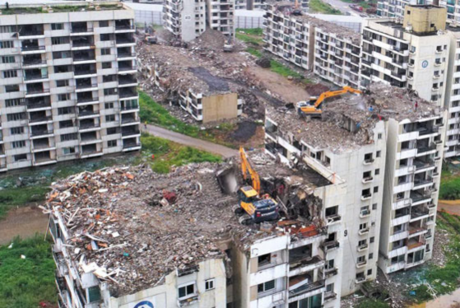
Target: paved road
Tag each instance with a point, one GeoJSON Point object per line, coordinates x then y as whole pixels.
{"type": "Point", "coordinates": [186, 140]}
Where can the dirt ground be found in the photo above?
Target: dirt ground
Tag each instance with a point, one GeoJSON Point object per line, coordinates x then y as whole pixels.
{"type": "Point", "coordinates": [23, 222]}
{"type": "Point", "coordinates": [284, 88]}
{"type": "Point", "coordinates": [450, 206]}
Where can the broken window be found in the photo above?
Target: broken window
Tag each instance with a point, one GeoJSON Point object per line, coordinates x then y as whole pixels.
{"type": "Point", "coordinates": [187, 291]}
{"type": "Point", "coordinates": [264, 260]}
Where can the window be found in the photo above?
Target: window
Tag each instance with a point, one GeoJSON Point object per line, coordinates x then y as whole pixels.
{"type": "Point", "coordinates": [19, 144]}
{"type": "Point", "coordinates": [363, 226]}
{"type": "Point", "coordinates": [331, 211]}
{"type": "Point", "coordinates": [374, 206]}
{"type": "Point", "coordinates": [6, 44]}
{"type": "Point", "coordinates": [15, 116]}
{"type": "Point", "coordinates": [266, 286]}
{"type": "Point", "coordinates": [209, 284]}
{"type": "Point", "coordinates": [112, 131]}
{"type": "Point", "coordinates": [187, 291]}
{"type": "Point", "coordinates": [8, 59]}
{"type": "Point", "coordinates": [361, 259]}
{"type": "Point", "coordinates": [369, 272]}
{"type": "Point", "coordinates": [379, 136]}
{"type": "Point", "coordinates": [17, 130]}
{"type": "Point", "coordinates": [376, 189]}
{"type": "Point", "coordinates": [378, 154]}
{"type": "Point", "coordinates": [12, 88]}
{"type": "Point", "coordinates": [67, 137]}
{"type": "Point", "coordinates": [62, 83]}
{"type": "Point", "coordinates": [13, 102]}
{"type": "Point", "coordinates": [104, 23]}
{"type": "Point", "coordinates": [111, 143]}
{"type": "Point", "coordinates": [64, 97]}
{"type": "Point", "coordinates": [57, 26]}
{"type": "Point", "coordinates": [265, 259]}
{"type": "Point", "coordinates": [377, 171]}
{"type": "Point", "coordinates": [108, 105]}
{"type": "Point", "coordinates": [10, 74]}
{"type": "Point", "coordinates": [362, 242]}
{"type": "Point", "coordinates": [59, 40]}
{"type": "Point", "coordinates": [330, 264]}
{"type": "Point", "coordinates": [65, 110]}
{"type": "Point", "coordinates": [371, 240]}
{"type": "Point", "coordinates": [110, 118]}
{"type": "Point", "coordinates": [106, 65]}
{"type": "Point", "coordinates": [105, 51]}
{"type": "Point", "coordinates": [20, 157]}
{"type": "Point", "coordinates": [371, 256]}
{"type": "Point", "coordinates": [94, 294]}
{"type": "Point", "coordinates": [330, 288]}
{"type": "Point", "coordinates": [68, 151]}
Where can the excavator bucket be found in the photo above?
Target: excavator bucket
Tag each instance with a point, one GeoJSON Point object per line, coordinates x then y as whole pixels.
{"type": "Point", "coordinates": [228, 179]}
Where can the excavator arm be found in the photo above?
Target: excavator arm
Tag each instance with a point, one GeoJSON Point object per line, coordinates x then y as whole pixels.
{"type": "Point", "coordinates": [315, 108]}
{"type": "Point", "coordinates": [247, 168]}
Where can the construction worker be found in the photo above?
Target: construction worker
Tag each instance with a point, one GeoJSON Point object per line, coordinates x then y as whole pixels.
{"type": "Point", "coordinates": [416, 105]}
{"type": "Point", "coordinates": [145, 124]}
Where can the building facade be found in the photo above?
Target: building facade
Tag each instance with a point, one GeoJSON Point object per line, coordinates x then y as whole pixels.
{"type": "Point", "coordinates": [68, 88]}
{"type": "Point", "coordinates": [221, 16]}
{"type": "Point", "coordinates": [330, 51]}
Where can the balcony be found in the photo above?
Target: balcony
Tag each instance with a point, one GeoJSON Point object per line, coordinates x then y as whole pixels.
{"type": "Point", "coordinates": [38, 105]}
{"type": "Point", "coordinates": [361, 264]}
{"type": "Point", "coordinates": [33, 62]}
{"type": "Point", "coordinates": [127, 145]}
{"type": "Point", "coordinates": [32, 48]}
{"type": "Point", "coordinates": [330, 272]}
{"type": "Point", "coordinates": [124, 94]}
{"type": "Point", "coordinates": [36, 133]}
{"type": "Point", "coordinates": [421, 183]}
{"type": "Point", "coordinates": [30, 77]}
{"type": "Point", "coordinates": [366, 196]}
{"type": "Point", "coordinates": [419, 213]}
{"type": "Point", "coordinates": [306, 288]}
{"type": "Point", "coordinates": [364, 231]}
{"type": "Point", "coordinates": [87, 113]}
{"type": "Point", "coordinates": [130, 132]}
{"type": "Point", "coordinates": [414, 244]}
{"type": "Point", "coordinates": [362, 248]}
{"type": "Point", "coordinates": [330, 246]}
{"type": "Point", "coordinates": [365, 214]}
{"type": "Point", "coordinates": [40, 119]}
{"type": "Point", "coordinates": [368, 161]}
{"type": "Point", "coordinates": [331, 219]}
{"type": "Point", "coordinates": [85, 72]}
{"type": "Point", "coordinates": [426, 148]}
{"type": "Point", "coordinates": [417, 197]}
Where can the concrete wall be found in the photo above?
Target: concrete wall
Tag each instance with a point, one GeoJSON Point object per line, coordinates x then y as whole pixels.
{"type": "Point", "coordinates": [220, 107]}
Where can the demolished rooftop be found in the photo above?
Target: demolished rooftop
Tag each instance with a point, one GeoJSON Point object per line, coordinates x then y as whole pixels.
{"type": "Point", "coordinates": [379, 102]}
{"type": "Point", "coordinates": [131, 227]}
{"type": "Point", "coordinates": [287, 9]}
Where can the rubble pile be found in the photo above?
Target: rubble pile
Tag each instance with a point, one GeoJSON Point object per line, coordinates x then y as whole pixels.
{"type": "Point", "coordinates": [131, 227]}
{"type": "Point", "coordinates": [379, 102]}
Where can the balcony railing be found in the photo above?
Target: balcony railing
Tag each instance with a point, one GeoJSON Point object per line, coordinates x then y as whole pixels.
{"type": "Point", "coordinates": [308, 287]}
{"type": "Point", "coordinates": [33, 62]}
{"type": "Point", "coordinates": [123, 27]}
{"type": "Point", "coordinates": [40, 119]}
{"type": "Point", "coordinates": [127, 68]}
{"type": "Point", "coordinates": [32, 48]}
{"type": "Point", "coordinates": [35, 76]}
{"type": "Point", "coordinates": [131, 145]}
{"type": "Point", "coordinates": [130, 132]}
{"type": "Point", "coordinates": [42, 132]}
{"type": "Point", "coordinates": [31, 105]}
{"type": "Point", "coordinates": [85, 72]}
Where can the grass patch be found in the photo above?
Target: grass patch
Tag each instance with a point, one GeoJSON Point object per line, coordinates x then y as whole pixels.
{"type": "Point", "coordinates": [250, 36]}
{"type": "Point", "coordinates": [254, 52]}
{"type": "Point", "coordinates": [253, 31]}
{"type": "Point", "coordinates": [372, 303]}
{"type": "Point", "coordinates": [27, 282]}
{"type": "Point", "coordinates": [167, 154]}
{"type": "Point", "coordinates": [363, 4]}
{"type": "Point", "coordinates": [318, 6]}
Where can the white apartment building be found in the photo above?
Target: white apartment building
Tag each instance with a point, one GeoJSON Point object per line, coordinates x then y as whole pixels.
{"type": "Point", "coordinates": [185, 19]}
{"type": "Point", "coordinates": [363, 159]}
{"type": "Point", "coordinates": [413, 168]}
{"type": "Point", "coordinates": [68, 88]}
{"type": "Point", "coordinates": [189, 19]}
{"type": "Point", "coordinates": [331, 51]}
{"type": "Point", "coordinates": [413, 53]}
{"type": "Point", "coordinates": [362, 170]}
{"type": "Point", "coordinates": [394, 8]}
{"type": "Point", "coordinates": [221, 16]}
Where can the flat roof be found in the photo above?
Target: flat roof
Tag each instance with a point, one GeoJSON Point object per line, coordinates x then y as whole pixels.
{"type": "Point", "coordinates": [59, 7]}
{"type": "Point", "coordinates": [380, 102]}
{"type": "Point", "coordinates": [131, 227]}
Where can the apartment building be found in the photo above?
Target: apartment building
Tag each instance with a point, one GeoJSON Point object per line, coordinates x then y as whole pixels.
{"type": "Point", "coordinates": [189, 19]}
{"type": "Point", "coordinates": [221, 16]}
{"type": "Point", "coordinates": [262, 4]}
{"type": "Point", "coordinates": [185, 19]}
{"type": "Point", "coordinates": [412, 54]}
{"type": "Point", "coordinates": [413, 168]}
{"type": "Point", "coordinates": [183, 81]}
{"type": "Point", "coordinates": [393, 8]}
{"type": "Point", "coordinates": [68, 88]}
{"type": "Point", "coordinates": [362, 150]}
{"type": "Point", "coordinates": [331, 51]}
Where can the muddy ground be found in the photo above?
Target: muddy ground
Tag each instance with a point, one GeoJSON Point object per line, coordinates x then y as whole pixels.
{"type": "Point", "coordinates": [23, 222]}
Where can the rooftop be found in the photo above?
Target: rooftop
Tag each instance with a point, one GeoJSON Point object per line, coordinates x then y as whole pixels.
{"type": "Point", "coordinates": [59, 7]}
{"type": "Point", "coordinates": [381, 102]}
{"type": "Point", "coordinates": [286, 8]}
{"type": "Point", "coordinates": [131, 227]}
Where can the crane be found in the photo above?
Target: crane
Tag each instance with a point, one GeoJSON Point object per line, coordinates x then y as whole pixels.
{"type": "Point", "coordinates": [313, 107]}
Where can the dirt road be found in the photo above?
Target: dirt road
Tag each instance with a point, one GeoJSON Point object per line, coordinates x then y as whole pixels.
{"type": "Point", "coordinates": [186, 140]}
{"type": "Point", "coordinates": [23, 222]}
{"type": "Point", "coordinates": [450, 206]}
{"type": "Point", "coordinates": [286, 89]}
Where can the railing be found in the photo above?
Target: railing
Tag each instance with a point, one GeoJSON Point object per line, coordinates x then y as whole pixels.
{"type": "Point", "coordinates": [38, 105]}
{"type": "Point", "coordinates": [40, 119]}
{"type": "Point", "coordinates": [307, 288]}
{"type": "Point", "coordinates": [35, 76]}
{"type": "Point", "coordinates": [32, 48]}
{"type": "Point", "coordinates": [123, 27]}
{"type": "Point", "coordinates": [127, 68]}
{"type": "Point", "coordinates": [42, 132]}
{"type": "Point", "coordinates": [87, 99]}
{"type": "Point", "coordinates": [33, 62]}
{"type": "Point", "coordinates": [130, 132]}
{"type": "Point", "coordinates": [127, 94]}
{"type": "Point", "coordinates": [81, 30]}
{"type": "Point", "coordinates": [85, 72]}
{"type": "Point", "coordinates": [37, 91]}
{"type": "Point", "coordinates": [86, 86]}
{"type": "Point", "coordinates": [131, 145]}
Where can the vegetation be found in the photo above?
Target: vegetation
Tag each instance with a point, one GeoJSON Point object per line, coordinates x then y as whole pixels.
{"type": "Point", "coordinates": [363, 4]}
{"type": "Point", "coordinates": [167, 154]}
{"type": "Point", "coordinates": [450, 182]}
{"type": "Point", "coordinates": [27, 282]}
{"type": "Point", "coordinates": [372, 303]}
{"type": "Point", "coordinates": [318, 6]}
{"type": "Point", "coordinates": [250, 36]}
{"type": "Point", "coordinates": [443, 279]}
{"type": "Point", "coordinates": [254, 52]}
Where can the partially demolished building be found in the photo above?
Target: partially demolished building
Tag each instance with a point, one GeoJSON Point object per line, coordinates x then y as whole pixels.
{"type": "Point", "coordinates": [331, 51]}
{"type": "Point", "coordinates": [127, 237]}
{"type": "Point", "coordinates": [206, 97]}
{"type": "Point", "coordinates": [388, 133]}
{"type": "Point", "coordinates": [187, 20]}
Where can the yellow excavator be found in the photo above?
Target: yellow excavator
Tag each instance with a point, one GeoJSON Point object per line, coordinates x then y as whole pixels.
{"type": "Point", "coordinates": [251, 207]}
{"type": "Point", "coordinates": [313, 106]}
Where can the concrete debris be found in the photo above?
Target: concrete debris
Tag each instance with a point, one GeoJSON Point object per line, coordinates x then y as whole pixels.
{"type": "Point", "coordinates": [130, 226]}
{"type": "Point", "coordinates": [348, 122]}
{"type": "Point", "coordinates": [264, 62]}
